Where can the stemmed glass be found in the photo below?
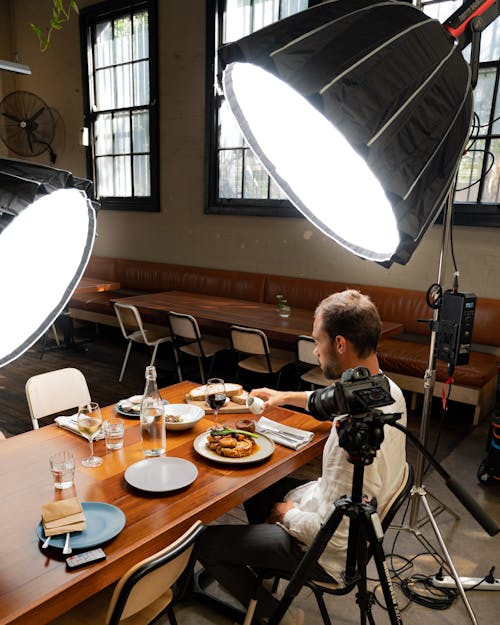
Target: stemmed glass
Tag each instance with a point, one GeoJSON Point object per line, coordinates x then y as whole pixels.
{"type": "Point", "coordinates": [89, 423]}
{"type": "Point", "coordinates": [215, 396]}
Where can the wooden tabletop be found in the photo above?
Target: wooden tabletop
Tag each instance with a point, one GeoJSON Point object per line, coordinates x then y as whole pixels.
{"type": "Point", "coordinates": [229, 311]}
{"type": "Point", "coordinates": [96, 285]}
{"type": "Point", "coordinates": [35, 586]}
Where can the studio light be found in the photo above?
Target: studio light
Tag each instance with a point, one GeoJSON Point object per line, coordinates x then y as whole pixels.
{"type": "Point", "coordinates": [47, 231]}
{"type": "Point", "coordinates": [360, 112]}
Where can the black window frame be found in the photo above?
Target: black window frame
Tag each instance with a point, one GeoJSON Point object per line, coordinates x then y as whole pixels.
{"type": "Point", "coordinates": [89, 16]}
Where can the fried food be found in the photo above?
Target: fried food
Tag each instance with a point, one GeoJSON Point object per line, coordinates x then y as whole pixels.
{"type": "Point", "coordinates": [231, 444]}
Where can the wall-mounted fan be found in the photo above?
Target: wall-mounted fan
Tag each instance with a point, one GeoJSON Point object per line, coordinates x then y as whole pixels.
{"type": "Point", "coordinates": [27, 125]}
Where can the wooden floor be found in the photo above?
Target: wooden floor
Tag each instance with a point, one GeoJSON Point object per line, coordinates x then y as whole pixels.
{"type": "Point", "coordinates": [100, 361]}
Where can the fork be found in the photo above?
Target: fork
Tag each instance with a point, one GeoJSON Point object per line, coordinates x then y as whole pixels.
{"type": "Point", "coordinates": [289, 435]}
{"type": "Point", "coordinates": [67, 547]}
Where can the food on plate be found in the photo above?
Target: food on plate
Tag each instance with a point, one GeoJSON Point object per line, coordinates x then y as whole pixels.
{"type": "Point", "coordinates": [172, 418]}
{"type": "Point", "coordinates": [198, 393]}
{"type": "Point", "coordinates": [231, 443]}
{"type": "Point", "coordinates": [128, 406]}
{"type": "Point", "coordinates": [245, 424]}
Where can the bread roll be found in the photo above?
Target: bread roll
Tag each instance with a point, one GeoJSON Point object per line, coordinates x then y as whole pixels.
{"type": "Point", "coordinates": [198, 393]}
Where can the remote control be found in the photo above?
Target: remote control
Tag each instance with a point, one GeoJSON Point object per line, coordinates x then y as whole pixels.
{"type": "Point", "coordinates": [82, 559]}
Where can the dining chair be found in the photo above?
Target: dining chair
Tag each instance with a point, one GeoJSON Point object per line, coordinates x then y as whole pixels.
{"type": "Point", "coordinates": [54, 392]}
{"type": "Point", "coordinates": [147, 590]}
{"type": "Point", "coordinates": [320, 588]}
{"type": "Point", "coordinates": [306, 359]}
{"type": "Point", "coordinates": [187, 339]}
{"type": "Point", "coordinates": [133, 330]}
{"type": "Point", "coordinates": [261, 359]}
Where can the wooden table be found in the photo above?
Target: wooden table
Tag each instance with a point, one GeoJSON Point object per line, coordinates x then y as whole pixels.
{"type": "Point", "coordinates": [35, 586]}
{"type": "Point", "coordinates": [229, 311]}
{"type": "Point", "coordinates": [96, 285]}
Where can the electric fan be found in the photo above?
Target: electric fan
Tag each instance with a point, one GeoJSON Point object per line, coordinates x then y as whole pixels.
{"type": "Point", "coordinates": [27, 125]}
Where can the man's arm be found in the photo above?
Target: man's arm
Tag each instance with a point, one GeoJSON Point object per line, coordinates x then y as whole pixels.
{"type": "Point", "coordinates": [273, 397]}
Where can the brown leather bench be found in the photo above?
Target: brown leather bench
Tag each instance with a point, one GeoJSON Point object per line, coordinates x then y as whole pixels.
{"type": "Point", "coordinates": [404, 357]}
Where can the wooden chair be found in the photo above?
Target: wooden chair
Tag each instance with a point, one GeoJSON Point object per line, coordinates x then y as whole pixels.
{"type": "Point", "coordinates": [188, 340]}
{"type": "Point", "coordinates": [261, 360]}
{"type": "Point", "coordinates": [144, 592]}
{"type": "Point", "coordinates": [306, 359]}
{"type": "Point", "coordinates": [55, 392]}
{"type": "Point", "coordinates": [134, 331]}
{"type": "Point", "coordinates": [324, 588]}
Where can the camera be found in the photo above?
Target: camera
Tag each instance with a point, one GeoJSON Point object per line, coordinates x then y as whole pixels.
{"type": "Point", "coordinates": [356, 393]}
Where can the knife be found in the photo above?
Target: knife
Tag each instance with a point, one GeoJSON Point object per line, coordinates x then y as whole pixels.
{"type": "Point", "coordinates": [289, 435]}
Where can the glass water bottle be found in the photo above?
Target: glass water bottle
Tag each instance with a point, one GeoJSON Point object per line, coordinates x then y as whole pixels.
{"type": "Point", "coordinates": [153, 435]}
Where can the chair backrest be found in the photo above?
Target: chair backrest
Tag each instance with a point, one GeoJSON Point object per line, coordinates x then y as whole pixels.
{"type": "Point", "coordinates": [249, 341]}
{"type": "Point", "coordinates": [184, 326]}
{"type": "Point", "coordinates": [129, 319]}
{"type": "Point", "coordinates": [305, 350]}
{"type": "Point", "coordinates": [147, 586]}
{"type": "Point", "coordinates": [55, 391]}
{"type": "Point", "coordinates": [394, 504]}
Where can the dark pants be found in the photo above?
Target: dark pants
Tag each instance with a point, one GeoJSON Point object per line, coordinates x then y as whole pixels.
{"type": "Point", "coordinates": [231, 553]}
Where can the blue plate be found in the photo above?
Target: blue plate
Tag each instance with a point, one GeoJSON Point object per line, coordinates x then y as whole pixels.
{"type": "Point", "coordinates": [104, 522]}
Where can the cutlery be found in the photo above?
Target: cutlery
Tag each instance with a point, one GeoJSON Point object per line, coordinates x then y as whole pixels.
{"type": "Point", "coordinates": [46, 542]}
{"type": "Point", "coordinates": [67, 547]}
{"type": "Point", "coordinates": [289, 435]}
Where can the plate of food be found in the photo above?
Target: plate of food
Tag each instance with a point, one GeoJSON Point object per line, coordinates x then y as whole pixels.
{"type": "Point", "coordinates": [131, 407]}
{"type": "Point", "coordinates": [233, 446]}
{"type": "Point", "coordinates": [182, 416]}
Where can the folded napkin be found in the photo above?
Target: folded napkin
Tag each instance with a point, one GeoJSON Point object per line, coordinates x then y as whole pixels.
{"type": "Point", "coordinates": [70, 423]}
{"type": "Point", "coordinates": [283, 434]}
{"type": "Point", "coordinates": [60, 517]}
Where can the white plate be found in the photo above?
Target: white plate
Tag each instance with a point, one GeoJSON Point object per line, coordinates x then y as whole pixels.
{"type": "Point", "coordinates": [266, 448]}
{"type": "Point", "coordinates": [160, 475]}
{"type": "Point", "coordinates": [189, 415]}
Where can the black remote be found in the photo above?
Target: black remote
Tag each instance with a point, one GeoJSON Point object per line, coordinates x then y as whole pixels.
{"type": "Point", "coordinates": [82, 559]}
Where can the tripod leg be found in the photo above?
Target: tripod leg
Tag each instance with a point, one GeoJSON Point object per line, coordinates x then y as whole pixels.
{"type": "Point", "coordinates": [448, 559]}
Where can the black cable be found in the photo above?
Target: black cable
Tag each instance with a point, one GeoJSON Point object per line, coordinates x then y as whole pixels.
{"type": "Point", "coordinates": [419, 589]}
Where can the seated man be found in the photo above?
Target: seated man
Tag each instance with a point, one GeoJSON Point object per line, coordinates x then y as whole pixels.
{"type": "Point", "coordinates": [285, 518]}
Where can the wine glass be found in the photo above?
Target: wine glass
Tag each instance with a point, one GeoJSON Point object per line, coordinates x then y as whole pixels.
{"type": "Point", "coordinates": [89, 423]}
{"type": "Point", "coordinates": [215, 396]}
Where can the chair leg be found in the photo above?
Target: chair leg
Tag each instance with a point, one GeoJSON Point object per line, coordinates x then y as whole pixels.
{"type": "Point", "coordinates": [153, 357]}
{"type": "Point", "coordinates": [322, 607]}
{"type": "Point", "coordinates": [125, 360]}
{"type": "Point", "coordinates": [202, 373]}
{"type": "Point", "coordinates": [177, 362]}
{"type": "Point", "coordinates": [170, 613]}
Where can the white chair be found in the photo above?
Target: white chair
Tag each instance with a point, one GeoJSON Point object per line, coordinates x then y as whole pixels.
{"type": "Point", "coordinates": [187, 339]}
{"type": "Point", "coordinates": [144, 592]}
{"type": "Point", "coordinates": [307, 359]}
{"type": "Point", "coordinates": [262, 360]}
{"type": "Point", "coordinates": [55, 392]}
{"type": "Point", "coordinates": [134, 331]}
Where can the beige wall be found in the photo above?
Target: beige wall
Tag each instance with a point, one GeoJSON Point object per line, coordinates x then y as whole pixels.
{"type": "Point", "coordinates": [181, 232]}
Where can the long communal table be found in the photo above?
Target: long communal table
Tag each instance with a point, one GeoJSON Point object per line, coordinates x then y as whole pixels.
{"type": "Point", "coordinates": [35, 586]}
{"type": "Point", "coordinates": [226, 311]}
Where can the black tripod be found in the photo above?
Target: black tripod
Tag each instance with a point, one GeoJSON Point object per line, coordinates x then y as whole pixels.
{"type": "Point", "coordinates": [361, 438]}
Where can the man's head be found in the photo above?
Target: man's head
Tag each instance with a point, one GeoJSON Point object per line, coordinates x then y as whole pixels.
{"type": "Point", "coordinates": [346, 330]}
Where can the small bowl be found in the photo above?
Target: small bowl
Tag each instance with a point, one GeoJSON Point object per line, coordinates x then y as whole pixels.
{"type": "Point", "coordinates": [190, 415]}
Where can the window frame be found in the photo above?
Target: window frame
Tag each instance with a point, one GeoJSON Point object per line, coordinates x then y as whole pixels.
{"type": "Point", "coordinates": [110, 9]}
{"type": "Point", "coordinates": [477, 214]}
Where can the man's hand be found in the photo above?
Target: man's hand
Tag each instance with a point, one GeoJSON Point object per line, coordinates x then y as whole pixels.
{"type": "Point", "coordinates": [279, 510]}
{"type": "Point", "coordinates": [273, 397]}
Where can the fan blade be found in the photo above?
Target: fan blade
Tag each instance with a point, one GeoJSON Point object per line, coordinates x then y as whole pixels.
{"type": "Point", "coordinates": [37, 114]}
{"type": "Point", "coordinates": [11, 117]}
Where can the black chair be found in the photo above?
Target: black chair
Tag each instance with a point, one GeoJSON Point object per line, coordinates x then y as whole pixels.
{"type": "Point", "coordinates": [324, 588]}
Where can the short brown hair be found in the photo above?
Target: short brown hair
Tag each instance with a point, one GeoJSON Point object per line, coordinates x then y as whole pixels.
{"type": "Point", "coordinates": [354, 316]}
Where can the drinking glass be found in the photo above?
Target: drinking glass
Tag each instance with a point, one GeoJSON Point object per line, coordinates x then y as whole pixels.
{"type": "Point", "coordinates": [215, 396]}
{"type": "Point", "coordinates": [89, 423]}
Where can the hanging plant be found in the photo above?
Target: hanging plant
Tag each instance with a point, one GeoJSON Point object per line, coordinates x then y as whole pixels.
{"type": "Point", "coordinates": [59, 16]}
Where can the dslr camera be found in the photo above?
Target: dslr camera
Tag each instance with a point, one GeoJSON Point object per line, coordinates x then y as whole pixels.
{"type": "Point", "coordinates": [356, 394]}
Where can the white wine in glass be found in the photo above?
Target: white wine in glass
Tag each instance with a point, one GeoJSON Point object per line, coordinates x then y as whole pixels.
{"type": "Point", "coordinates": [89, 423]}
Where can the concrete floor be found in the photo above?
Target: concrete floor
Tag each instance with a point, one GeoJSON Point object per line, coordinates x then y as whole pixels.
{"type": "Point", "coordinates": [472, 551]}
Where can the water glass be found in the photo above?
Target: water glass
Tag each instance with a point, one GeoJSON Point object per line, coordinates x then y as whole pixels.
{"type": "Point", "coordinates": [114, 429]}
{"type": "Point", "coordinates": [62, 466]}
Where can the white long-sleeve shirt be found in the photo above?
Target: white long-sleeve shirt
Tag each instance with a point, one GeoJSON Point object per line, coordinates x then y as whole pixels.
{"type": "Point", "coordinates": [314, 501]}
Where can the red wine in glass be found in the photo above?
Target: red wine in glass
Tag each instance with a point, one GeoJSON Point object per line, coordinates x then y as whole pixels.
{"type": "Point", "coordinates": [215, 395]}
{"type": "Point", "coordinates": [216, 400]}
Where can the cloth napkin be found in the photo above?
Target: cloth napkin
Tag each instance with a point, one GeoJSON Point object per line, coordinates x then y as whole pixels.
{"type": "Point", "coordinates": [70, 423]}
{"type": "Point", "coordinates": [65, 515]}
{"type": "Point", "coordinates": [283, 434]}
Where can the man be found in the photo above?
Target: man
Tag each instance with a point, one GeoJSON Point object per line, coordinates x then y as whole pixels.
{"type": "Point", "coordinates": [285, 518]}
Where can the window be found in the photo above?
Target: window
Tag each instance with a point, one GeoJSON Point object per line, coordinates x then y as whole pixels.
{"type": "Point", "coordinates": [237, 182]}
{"type": "Point", "coordinates": [477, 198]}
{"type": "Point", "coordinates": [121, 111]}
